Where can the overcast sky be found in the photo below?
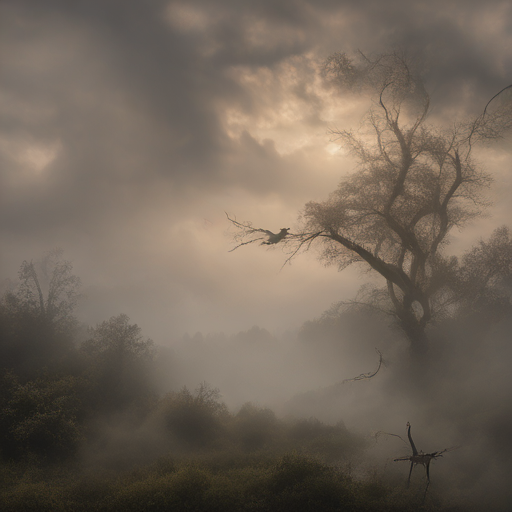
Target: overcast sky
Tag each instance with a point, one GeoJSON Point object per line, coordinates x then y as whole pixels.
{"type": "Point", "coordinates": [128, 128]}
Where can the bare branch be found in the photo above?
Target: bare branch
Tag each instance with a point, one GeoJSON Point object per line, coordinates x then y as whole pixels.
{"type": "Point", "coordinates": [489, 126]}
{"type": "Point", "coordinates": [246, 234]}
{"type": "Point", "coordinates": [381, 433]}
{"type": "Point", "coordinates": [368, 375]}
{"type": "Point", "coordinates": [245, 243]}
{"type": "Point", "coordinates": [494, 97]}
{"type": "Point", "coordinates": [304, 240]}
{"type": "Point", "coordinates": [412, 186]}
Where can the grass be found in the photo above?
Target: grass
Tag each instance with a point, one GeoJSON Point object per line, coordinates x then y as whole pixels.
{"type": "Point", "coordinates": [223, 482]}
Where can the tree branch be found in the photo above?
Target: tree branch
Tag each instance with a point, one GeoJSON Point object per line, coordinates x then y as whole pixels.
{"type": "Point", "coordinates": [368, 375]}
{"type": "Point", "coordinates": [388, 271]}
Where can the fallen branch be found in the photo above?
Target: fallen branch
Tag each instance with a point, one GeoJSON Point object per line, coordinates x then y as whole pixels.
{"type": "Point", "coordinates": [421, 458]}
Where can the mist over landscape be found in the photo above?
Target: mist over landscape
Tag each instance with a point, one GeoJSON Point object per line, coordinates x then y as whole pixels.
{"type": "Point", "coordinates": [164, 346]}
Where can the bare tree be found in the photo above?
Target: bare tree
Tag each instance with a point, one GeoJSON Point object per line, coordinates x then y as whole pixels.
{"type": "Point", "coordinates": [49, 287]}
{"type": "Point", "coordinates": [415, 182]}
{"type": "Point", "coordinates": [420, 457]}
{"type": "Point", "coordinates": [37, 321]}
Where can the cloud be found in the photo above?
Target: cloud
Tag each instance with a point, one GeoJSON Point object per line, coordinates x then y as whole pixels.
{"type": "Point", "coordinates": [125, 126]}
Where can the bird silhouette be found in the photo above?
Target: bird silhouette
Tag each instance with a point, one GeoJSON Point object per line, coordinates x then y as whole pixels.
{"type": "Point", "coordinates": [274, 238]}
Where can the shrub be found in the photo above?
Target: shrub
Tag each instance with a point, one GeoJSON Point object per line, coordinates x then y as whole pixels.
{"type": "Point", "coordinates": [254, 427]}
{"type": "Point", "coordinates": [184, 490]}
{"type": "Point", "coordinates": [30, 497]}
{"type": "Point", "coordinates": [39, 417]}
{"type": "Point", "coordinates": [303, 484]}
{"type": "Point", "coordinates": [197, 420]}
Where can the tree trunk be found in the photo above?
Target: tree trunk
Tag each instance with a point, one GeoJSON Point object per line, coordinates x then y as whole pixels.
{"type": "Point", "coordinates": [417, 338]}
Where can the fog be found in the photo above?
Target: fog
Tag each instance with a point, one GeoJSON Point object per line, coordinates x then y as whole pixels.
{"type": "Point", "coordinates": [129, 129]}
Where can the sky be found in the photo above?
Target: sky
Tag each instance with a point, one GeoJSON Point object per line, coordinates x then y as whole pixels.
{"type": "Point", "coordinates": [128, 128]}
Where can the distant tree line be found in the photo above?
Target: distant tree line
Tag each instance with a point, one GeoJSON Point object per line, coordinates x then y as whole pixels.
{"type": "Point", "coordinates": [59, 380]}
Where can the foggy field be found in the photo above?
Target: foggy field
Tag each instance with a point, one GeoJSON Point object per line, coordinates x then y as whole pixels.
{"type": "Point", "coordinates": [255, 256]}
{"type": "Point", "coordinates": [101, 421]}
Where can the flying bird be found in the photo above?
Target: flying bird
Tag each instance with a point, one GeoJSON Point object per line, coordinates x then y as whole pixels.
{"type": "Point", "coordinates": [274, 238]}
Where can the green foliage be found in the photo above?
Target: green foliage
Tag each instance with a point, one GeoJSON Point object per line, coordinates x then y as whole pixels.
{"type": "Point", "coordinates": [291, 482]}
{"type": "Point", "coordinates": [482, 273]}
{"type": "Point", "coordinates": [49, 288]}
{"type": "Point", "coordinates": [183, 490]}
{"type": "Point", "coordinates": [119, 337]}
{"type": "Point", "coordinates": [29, 341]}
{"type": "Point", "coordinates": [39, 417]}
{"type": "Point", "coordinates": [49, 388]}
{"type": "Point", "coordinates": [118, 366]}
{"type": "Point", "coordinates": [292, 470]}
{"type": "Point", "coordinates": [37, 325]}
{"type": "Point", "coordinates": [331, 442]}
{"type": "Point", "coordinates": [255, 428]}
{"type": "Point", "coordinates": [28, 497]}
{"type": "Point", "coordinates": [8, 385]}
{"type": "Point", "coordinates": [194, 419]}
{"type": "Point", "coordinates": [90, 492]}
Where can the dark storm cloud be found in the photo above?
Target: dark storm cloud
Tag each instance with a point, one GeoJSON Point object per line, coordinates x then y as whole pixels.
{"type": "Point", "coordinates": [120, 117]}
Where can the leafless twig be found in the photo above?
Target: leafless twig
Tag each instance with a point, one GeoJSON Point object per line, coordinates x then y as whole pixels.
{"type": "Point", "coordinates": [368, 375]}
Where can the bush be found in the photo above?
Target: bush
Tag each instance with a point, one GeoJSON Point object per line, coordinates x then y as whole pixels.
{"type": "Point", "coordinates": [30, 497]}
{"type": "Point", "coordinates": [254, 427]}
{"type": "Point", "coordinates": [292, 470]}
{"type": "Point", "coordinates": [330, 442]}
{"type": "Point", "coordinates": [196, 420]}
{"type": "Point", "coordinates": [39, 417]}
{"type": "Point", "coordinates": [184, 490]}
{"type": "Point", "coordinates": [119, 362]}
{"type": "Point", "coordinates": [302, 483]}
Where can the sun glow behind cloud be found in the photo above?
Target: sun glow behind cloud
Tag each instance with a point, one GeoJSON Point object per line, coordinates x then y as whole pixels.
{"type": "Point", "coordinates": [146, 121]}
{"type": "Point", "coordinates": [291, 105]}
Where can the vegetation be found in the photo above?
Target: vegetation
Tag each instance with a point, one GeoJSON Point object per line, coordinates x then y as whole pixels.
{"type": "Point", "coordinates": [58, 411]}
{"type": "Point", "coordinates": [230, 483]}
{"type": "Point", "coordinates": [83, 427]}
{"type": "Point", "coordinates": [415, 183]}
